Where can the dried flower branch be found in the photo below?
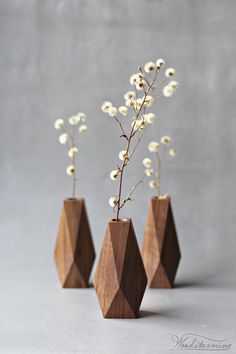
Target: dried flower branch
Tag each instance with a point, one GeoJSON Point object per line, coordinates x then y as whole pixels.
{"type": "Point", "coordinates": [161, 150]}
{"type": "Point", "coordinates": [70, 139]}
{"type": "Point", "coordinates": [137, 102]}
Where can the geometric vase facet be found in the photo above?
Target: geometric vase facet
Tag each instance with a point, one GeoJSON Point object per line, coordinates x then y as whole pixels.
{"type": "Point", "coordinates": [120, 279]}
{"type": "Point", "coordinates": [160, 251]}
{"type": "Point", "coordinates": [74, 251]}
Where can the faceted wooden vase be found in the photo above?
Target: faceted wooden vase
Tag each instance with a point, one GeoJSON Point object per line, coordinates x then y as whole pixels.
{"type": "Point", "coordinates": [120, 279]}
{"type": "Point", "coordinates": [160, 251]}
{"type": "Point", "coordinates": [74, 252]}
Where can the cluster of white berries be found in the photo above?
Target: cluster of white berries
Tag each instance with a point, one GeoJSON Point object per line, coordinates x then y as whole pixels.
{"type": "Point", "coordinates": [107, 107]}
{"type": "Point", "coordinates": [148, 164]}
{"type": "Point", "coordinates": [73, 120]}
{"type": "Point", "coordinates": [138, 123]}
{"type": "Point", "coordinates": [140, 83]}
{"type": "Point", "coordinates": [154, 147]}
{"type": "Point", "coordinates": [151, 66]}
{"type": "Point", "coordinates": [77, 121]}
{"type": "Point", "coordinates": [169, 89]}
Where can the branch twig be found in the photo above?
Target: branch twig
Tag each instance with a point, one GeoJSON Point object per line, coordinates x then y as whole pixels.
{"type": "Point", "coordinates": [121, 127]}
{"type": "Point", "coordinates": [128, 198]}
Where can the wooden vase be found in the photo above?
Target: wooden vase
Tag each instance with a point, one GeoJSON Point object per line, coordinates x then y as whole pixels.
{"type": "Point", "coordinates": [160, 251]}
{"type": "Point", "coordinates": [120, 279]}
{"type": "Point", "coordinates": [74, 252]}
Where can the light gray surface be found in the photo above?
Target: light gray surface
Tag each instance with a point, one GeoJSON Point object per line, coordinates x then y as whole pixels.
{"type": "Point", "coordinates": [38, 317]}
{"type": "Point", "coordinates": [60, 57]}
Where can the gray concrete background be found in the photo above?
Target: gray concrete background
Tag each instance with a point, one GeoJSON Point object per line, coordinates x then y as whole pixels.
{"type": "Point", "coordinates": [61, 57]}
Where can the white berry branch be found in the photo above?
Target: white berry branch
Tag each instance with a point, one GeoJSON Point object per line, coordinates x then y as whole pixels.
{"type": "Point", "coordinates": [145, 82]}
{"type": "Point", "coordinates": [69, 137]}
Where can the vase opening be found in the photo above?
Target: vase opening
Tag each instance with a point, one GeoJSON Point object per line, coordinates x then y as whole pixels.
{"type": "Point", "coordinates": [119, 220]}
{"type": "Point", "coordinates": [161, 197]}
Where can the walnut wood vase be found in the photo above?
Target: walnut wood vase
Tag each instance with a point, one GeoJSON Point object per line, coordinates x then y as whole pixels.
{"type": "Point", "coordinates": [74, 252]}
{"type": "Point", "coordinates": [160, 251]}
{"type": "Point", "coordinates": [120, 279]}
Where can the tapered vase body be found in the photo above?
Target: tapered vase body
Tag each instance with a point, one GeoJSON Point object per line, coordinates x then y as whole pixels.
{"type": "Point", "coordinates": [120, 279]}
{"type": "Point", "coordinates": [74, 251]}
{"type": "Point", "coordinates": [160, 250]}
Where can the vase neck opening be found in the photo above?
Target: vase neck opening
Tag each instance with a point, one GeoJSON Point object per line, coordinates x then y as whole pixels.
{"type": "Point", "coordinates": [120, 220]}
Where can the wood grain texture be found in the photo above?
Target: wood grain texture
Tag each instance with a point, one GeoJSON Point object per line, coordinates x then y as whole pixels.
{"type": "Point", "coordinates": [160, 251]}
{"type": "Point", "coordinates": [74, 251]}
{"type": "Point", "coordinates": [120, 279]}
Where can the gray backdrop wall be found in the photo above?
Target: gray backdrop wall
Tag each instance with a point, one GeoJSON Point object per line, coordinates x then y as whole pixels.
{"type": "Point", "coordinates": [58, 57]}
{"type": "Point", "coordinates": [61, 57]}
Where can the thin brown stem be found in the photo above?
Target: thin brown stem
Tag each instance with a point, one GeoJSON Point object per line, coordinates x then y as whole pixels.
{"type": "Point", "coordinates": [157, 97]}
{"type": "Point", "coordinates": [128, 198]}
{"type": "Point", "coordinates": [164, 152]}
{"type": "Point", "coordinates": [162, 82]}
{"type": "Point", "coordinates": [121, 127]}
{"type": "Point", "coordinates": [137, 143]}
{"type": "Point", "coordinates": [159, 161]}
{"type": "Point", "coordinates": [73, 163]}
